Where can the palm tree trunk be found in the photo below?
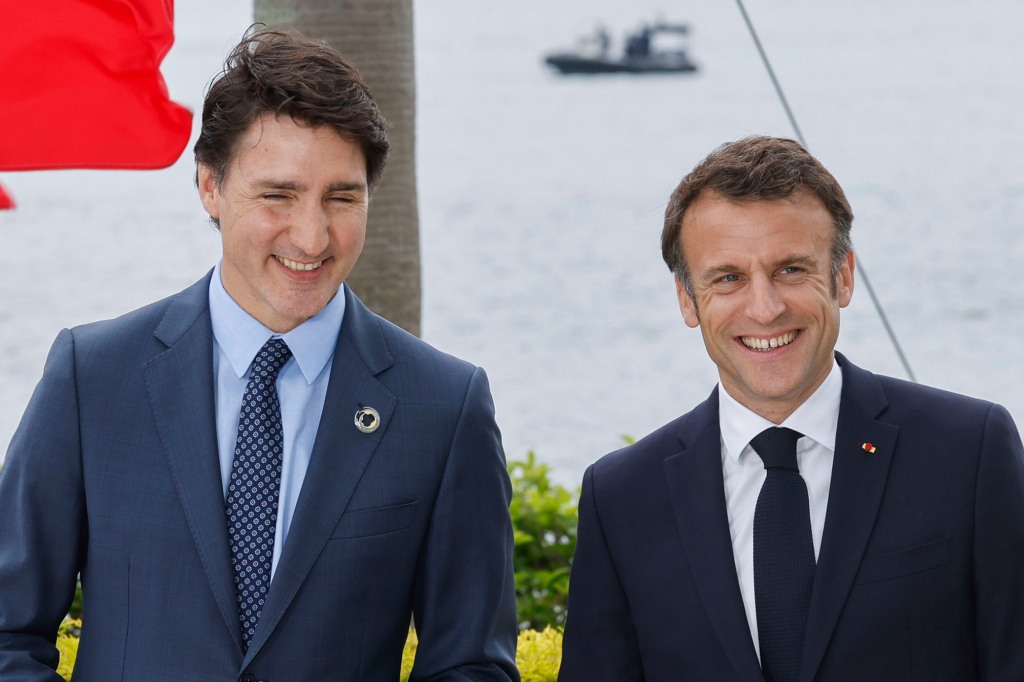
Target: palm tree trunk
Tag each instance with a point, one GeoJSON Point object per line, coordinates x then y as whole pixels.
{"type": "Point", "coordinates": [376, 36]}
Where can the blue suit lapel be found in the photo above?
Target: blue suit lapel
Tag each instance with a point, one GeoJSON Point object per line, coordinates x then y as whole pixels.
{"type": "Point", "coordinates": [180, 386]}
{"type": "Point", "coordinates": [340, 455]}
{"type": "Point", "coordinates": [697, 494]}
{"type": "Point", "coordinates": [855, 495]}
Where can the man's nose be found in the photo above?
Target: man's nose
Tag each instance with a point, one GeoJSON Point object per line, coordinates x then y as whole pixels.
{"type": "Point", "coordinates": [766, 302]}
{"type": "Point", "coordinates": [309, 231]}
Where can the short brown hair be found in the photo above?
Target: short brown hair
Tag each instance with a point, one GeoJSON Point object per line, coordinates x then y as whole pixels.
{"type": "Point", "coordinates": [287, 74]}
{"type": "Point", "coordinates": [758, 168]}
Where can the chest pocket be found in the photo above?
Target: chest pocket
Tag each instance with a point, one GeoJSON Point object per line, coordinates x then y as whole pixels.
{"type": "Point", "coordinates": [904, 562]}
{"type": "Point", "coordinates": [359, 523]}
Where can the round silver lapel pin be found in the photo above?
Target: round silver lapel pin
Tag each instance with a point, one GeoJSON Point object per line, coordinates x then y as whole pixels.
{"type": "Point", "coordinates": [367, 420]}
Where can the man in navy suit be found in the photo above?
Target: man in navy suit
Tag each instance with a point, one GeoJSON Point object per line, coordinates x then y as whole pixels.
{"type": "Point", "coordinates": [390, 498]}
{"type": "Point", "coordinates": [902, 525]}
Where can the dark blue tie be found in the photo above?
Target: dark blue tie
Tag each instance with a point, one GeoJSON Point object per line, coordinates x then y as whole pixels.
{"type": "Point", "coordinates": [255, 485]}
{"type": "Point", "coordinates": [783, 556]}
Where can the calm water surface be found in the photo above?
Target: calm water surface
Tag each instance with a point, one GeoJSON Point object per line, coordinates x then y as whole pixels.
{"type": "Point", "coordinates": [541, 201]}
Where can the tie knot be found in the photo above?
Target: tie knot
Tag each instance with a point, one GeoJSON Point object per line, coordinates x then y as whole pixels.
{"type": "Point", "coordinates": [777, 447]}
{"type": "Point", "coordinates": [271, 358]}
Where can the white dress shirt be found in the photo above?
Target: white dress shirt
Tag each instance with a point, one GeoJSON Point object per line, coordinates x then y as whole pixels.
{"type": "Point", "coordinates": [301, 388]}
{"type": "Point", "coordinates": [744, 473]}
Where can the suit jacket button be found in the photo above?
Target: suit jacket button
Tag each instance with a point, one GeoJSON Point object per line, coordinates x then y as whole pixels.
{"type": "Point", "coordinates": [247, 677]}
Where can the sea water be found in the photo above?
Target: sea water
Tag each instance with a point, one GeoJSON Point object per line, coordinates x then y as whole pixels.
{"type": "Point", "coordinates": [541, 200]}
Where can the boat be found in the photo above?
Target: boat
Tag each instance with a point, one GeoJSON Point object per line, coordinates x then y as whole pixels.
{"type": "Point", "coordinates": [655, 48]}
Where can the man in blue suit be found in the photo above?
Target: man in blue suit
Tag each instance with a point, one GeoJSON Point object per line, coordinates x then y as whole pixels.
{"type": "Point", "coordinates": [368, 489]}
{"type": "Point", "coordinates": [810, 520]}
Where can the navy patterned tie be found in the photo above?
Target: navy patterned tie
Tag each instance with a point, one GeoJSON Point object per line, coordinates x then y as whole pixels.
{"type": "Point", "coordinates": [783, 556]}
{"type": "Point", "coordinates": [255, 485]}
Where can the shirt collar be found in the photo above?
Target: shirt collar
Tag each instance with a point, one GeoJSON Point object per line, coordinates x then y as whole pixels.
{"type": "Point", "coordinates": [817, 417]}
{"type": "Point", "coordinates": [240, 335]}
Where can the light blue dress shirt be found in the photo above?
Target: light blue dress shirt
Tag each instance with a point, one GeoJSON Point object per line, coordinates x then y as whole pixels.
{"type": "Point", "coordinates": [301, 388]}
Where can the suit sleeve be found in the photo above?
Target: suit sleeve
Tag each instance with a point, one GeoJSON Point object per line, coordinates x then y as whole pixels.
{"type": "Point", "coordinates": [464, 598]}
{"type": "Point", "coordinates": [42, 511]}
{"type": "Point", "coordinates": [600, 642]}
{"type": "Point", "coordinates": [999, 550]}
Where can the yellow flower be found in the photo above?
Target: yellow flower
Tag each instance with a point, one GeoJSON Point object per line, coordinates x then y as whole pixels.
{"type": "Point", "coordinates": [538, 656]}
{"type": "Point", "coordinates": [67, 645]}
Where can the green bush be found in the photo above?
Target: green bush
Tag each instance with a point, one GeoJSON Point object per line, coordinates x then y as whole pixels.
{"type": "Point", "coordinates": [544, 519]}
{"type": "Point", "coordinates": [76, 605]}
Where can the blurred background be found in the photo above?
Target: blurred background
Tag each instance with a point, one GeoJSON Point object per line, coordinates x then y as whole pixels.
{"type": "Point", "coordinates": [541, 200]}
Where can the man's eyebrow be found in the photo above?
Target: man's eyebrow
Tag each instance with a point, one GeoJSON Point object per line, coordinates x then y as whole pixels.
{"type": "Point", "coordinates": [716, 271]}
{"type": "Point", "coordinates": [802, 261]}
{"type": "Point", "coordinates": [347, 187]}
{"type": "Point", "coordinates": [290, 185]}
{"type": "Point", "coordinates": [271, 183]}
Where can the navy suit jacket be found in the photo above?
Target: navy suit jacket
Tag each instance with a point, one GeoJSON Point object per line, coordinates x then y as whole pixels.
{"type": "Point", "coordinates": [114, 473]}
{"type": "Point", "coordinates": [920, 574]}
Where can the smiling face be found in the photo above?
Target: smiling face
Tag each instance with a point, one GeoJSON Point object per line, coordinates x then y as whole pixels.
{"type": "Point", "coordinates": [292, 208]}
{"type": "Point", "coordinates": [763, 295]}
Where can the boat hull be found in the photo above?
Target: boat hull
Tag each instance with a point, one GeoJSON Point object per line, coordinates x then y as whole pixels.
{"type": "Point", "coordinates": [576, 64]}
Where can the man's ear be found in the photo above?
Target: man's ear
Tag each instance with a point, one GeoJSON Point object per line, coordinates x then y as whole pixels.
{"type": "Point", "coordinates": [207, 190]}
{"type": "Point", "coordinates": [844, 280]}
{"type": "Point", "coordinates": [687, 306]}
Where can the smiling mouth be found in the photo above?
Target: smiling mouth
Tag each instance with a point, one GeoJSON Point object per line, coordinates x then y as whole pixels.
{"type": "Point", "coordinates": [295, 266]}
{"type": "Point", "coordinates": [762, 345]}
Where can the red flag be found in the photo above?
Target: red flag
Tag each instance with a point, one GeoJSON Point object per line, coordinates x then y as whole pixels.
{"type": "Point", "coordinates": [5, 200]}
{"type": "Point", "coordinates": [81, 85]}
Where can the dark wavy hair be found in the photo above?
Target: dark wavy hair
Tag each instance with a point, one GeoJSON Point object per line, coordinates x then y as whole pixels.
{"type": "Point", "coordinates": [758, 168]}
{"type": "Point", "coordinates": [285, 73]}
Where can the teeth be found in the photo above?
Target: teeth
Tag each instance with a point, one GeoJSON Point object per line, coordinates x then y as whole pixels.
{"type": "Point", "coordinates": [767, 344]}
{"type": "Point", "coordinates": [298, 267]}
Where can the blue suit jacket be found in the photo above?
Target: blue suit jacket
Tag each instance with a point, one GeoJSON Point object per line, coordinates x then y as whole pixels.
{"type": "Point", "coordinates": [920, 573]}
{"type": "Point", "coordinates": [114, 473]}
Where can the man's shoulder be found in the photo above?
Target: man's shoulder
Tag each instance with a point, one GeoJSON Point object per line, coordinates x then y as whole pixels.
{"type": "Point", "coordinates": [649, 453]}
{"type": "Point", "coordinates": [907, 400]}
{"type": "Point", "coordinates": [142, 323]}
{"type": "Point", "coordinates": [379, 340]}
{"type": "Point", "coordinates": [415, 352]}
{"type": "Point", "coordinates": [907, 392]}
